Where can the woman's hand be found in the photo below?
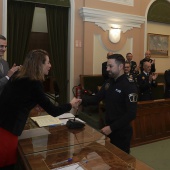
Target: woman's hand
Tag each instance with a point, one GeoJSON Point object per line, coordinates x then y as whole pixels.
{"type": "Point", "coordinates": [75, 102]}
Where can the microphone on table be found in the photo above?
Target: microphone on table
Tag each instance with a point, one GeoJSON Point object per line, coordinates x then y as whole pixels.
{"type": "Point", "coordinates": [75, 124]}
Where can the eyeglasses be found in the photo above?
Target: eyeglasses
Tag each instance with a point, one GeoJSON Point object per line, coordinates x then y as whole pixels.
{"type": "Point", "coordinates": [3, 46]}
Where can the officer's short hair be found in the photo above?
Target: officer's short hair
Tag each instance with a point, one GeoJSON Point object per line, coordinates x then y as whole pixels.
{"type": "Point", "coordinates": [2, 37]}
{"type": "Point", "coordinates": [128, 54]}
{"type": "Point", "coordinates": [126, 62]}
{"type": "Point", "coordinates": [119, 59]}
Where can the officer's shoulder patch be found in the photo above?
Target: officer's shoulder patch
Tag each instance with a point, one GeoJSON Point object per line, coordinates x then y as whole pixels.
{"type": "Point", "coordinates": [133, 97]}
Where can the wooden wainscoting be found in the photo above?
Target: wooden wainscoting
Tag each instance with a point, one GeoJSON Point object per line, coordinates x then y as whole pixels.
{"type": "Point", "coordinates": [152, 122]}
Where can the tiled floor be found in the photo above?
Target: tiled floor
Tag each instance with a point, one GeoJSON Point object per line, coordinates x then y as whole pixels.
{"type": "Point", "coordinates": [156, 155]}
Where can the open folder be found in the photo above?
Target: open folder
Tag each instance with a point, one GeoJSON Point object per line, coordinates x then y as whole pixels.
{"type": "Point", "coordinates": [46, 120]}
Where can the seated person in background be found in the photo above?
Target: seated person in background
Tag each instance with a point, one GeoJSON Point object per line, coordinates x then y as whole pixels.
{"type": "Point", "coordinates": [167, 83]}
{"type": "Point", "coordinates": [130, 76]}
{"type": "Point", "coordinates": [134, 69]}
{"type": "Point", "coordinates": [148, 59]}
{"type": "Point", "coordinates": [146, 80]}
{"type": "Point", "coordinates": [5, 72]}
{"type": "Point", "coordinates": [127, 70]}
{"type": "Point", "coordinates": [104, 68]}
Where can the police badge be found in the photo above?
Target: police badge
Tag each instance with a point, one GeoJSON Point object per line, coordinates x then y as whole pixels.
{"type": "Point", "coordinates": [107, 85]}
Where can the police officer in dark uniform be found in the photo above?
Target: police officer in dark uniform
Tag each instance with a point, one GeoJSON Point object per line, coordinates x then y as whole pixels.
{"type": "Point", "coordinates": [167, 83]}
{"type": "Point", "coordinates": [120, 97]}
{"type": "Point", "coordinates": [146, 81]}
{"type": "Point", "coordinates": [148, 59]}
{"type": "Point", "coordinates": [132, 76]}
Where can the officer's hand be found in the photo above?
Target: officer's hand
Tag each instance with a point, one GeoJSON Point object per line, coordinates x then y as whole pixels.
{"type": "Point", "coordinates": [153, 61]}
{"type": "Point", "coordinates": [106, 130]}
{"type": "Point", "coordinates": [154, 76]}
{"type": "Point", "coordinates": [137, 68]}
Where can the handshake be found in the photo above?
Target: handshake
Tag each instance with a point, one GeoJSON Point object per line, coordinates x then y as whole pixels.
{"type": "Point", "coordinates": [75, 103]}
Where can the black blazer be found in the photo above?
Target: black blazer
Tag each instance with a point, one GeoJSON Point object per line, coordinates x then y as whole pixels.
{"type": "Point", "coordinates": [18, 98]}
{"type": "Point", "coordinates": [3, 79]}
{"type": "Point", "coordinates": [145, 88]}
{"type": "Point", "coordinates": [5, 68]}
{"type": "Point", "coordinates": [133, 65]}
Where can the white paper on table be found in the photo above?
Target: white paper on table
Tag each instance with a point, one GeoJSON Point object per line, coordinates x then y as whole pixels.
{"type": "Point", "coordinates": [64, 121]}
{"type": "Point", "coordinates": [66, 116]}
{"type": "Point", "coordinates": [74, 166]}
{"type": "Point", "coordinates": [33, 133]}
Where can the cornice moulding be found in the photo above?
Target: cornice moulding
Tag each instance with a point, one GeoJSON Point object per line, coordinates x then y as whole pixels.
{"type": "Point", "coordinates": [107, 19]}
{"type": "Point", "coordinates": [122, 2]}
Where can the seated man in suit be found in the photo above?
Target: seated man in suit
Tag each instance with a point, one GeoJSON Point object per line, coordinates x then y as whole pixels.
{"type": "Point", "coordinates": [167, 83]}
{"type": "Point", "coordinates": [5, 73]}
{"type": "Point", "coordinates": [146, 81]}
{"type": "Point", "coordinates": [104, 68]}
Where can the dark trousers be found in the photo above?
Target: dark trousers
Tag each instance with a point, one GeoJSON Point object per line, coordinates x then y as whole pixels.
{"type": "Point", "coordinates": [122, 138]}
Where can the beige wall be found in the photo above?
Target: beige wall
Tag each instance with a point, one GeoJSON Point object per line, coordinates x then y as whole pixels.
{"type": "Point", "coordinates": [1, 16]}
{"type": "Point", "coordinates": [162, 64]}
{"type": "Point", "coordinates": [95, 41]}
{"type": "Point", "coordinates": [138, 8]}
{"type": "Point", "coordinates": [78, 38]}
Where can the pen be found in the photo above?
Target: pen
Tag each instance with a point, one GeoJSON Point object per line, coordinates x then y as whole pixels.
{"type": "Point", "coordinates": [62, 162]}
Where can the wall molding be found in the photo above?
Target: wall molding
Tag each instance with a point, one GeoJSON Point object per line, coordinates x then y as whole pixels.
{"type": "Point", "coordinates": [107, 19]}
{"type": "Point", "coordinates": [122, 2]}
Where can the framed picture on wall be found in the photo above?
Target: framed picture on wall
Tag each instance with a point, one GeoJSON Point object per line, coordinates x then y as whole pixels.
{"type": "Point", "coordinates": [158, 44]}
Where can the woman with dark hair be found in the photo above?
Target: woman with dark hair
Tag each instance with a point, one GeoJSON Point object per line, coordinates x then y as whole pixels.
{"type": "Point", "coordinates": [22, 93]}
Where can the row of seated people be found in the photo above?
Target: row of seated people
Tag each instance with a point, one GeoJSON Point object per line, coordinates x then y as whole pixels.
{"type": "Point", "coordinates": [143, 75]}
{"type": "Point", "coordinates": [134, 68]}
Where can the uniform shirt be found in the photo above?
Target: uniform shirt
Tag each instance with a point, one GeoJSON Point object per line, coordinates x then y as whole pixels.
{"type": "Point", "coordinates": [18, 98]}
{"type": "Point", "coordinates": [145, 87]}
{"type": "Point", "coordinates": [120, 98]}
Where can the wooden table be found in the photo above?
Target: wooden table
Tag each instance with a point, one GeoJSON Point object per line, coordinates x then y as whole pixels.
{"type": "Point", "coordinates": [44, 152]}
{"type": "Point", "coordinates": [58, 137]}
